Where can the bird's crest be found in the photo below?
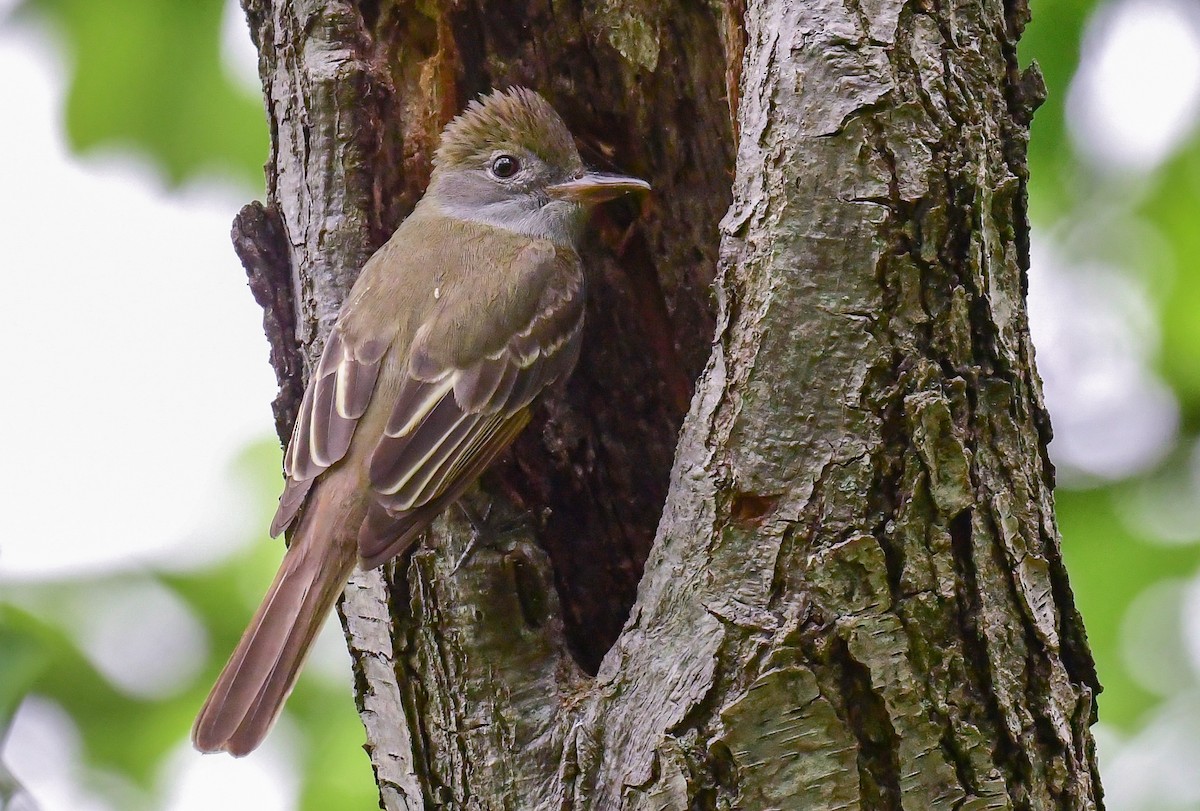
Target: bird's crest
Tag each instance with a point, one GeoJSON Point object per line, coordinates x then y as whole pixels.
{"type": "Point", "coordinates": [506, 119]}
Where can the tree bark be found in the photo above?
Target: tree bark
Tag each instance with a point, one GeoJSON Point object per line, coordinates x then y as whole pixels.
{"type": "Point", "coordinates": [841, 587]}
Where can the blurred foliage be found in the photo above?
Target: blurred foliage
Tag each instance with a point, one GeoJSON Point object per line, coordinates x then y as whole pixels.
{"type": "Point", "coordinates": [147, 74]}
{"type": "Point", "coordinates": [133, 736]}
{"type": "Point", "coordinates": [1053, 38]}
{"type": "Point", "coordinates": [1111, 564]}
{"type": "Point", "coordinates": [25, 658]}
{"type": "Point", "coordinates": [1114, 556]}
{"type": "Point", "coordinates": [1062, 186]}
{"type": "Point", "coordinates": [1173, 204]}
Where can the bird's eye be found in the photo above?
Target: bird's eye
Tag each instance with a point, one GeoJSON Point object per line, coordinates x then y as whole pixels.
{"type": "Point", "coordinates": [505, 166]}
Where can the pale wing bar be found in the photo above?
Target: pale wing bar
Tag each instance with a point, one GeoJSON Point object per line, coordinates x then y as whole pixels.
{"type": "Point", "coordinates": [337, 396]}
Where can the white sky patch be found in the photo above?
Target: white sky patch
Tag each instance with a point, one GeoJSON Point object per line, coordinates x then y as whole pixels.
{"type": "Point", "coordinates": [141, 636]}
{"type": "Point", "coordinates": [238, 56]}
{"type": "Point", "coordinates": [1136, 95]}
{"type": "Point", "coordinates": [137, 367]}
{"type": "Point", "coordinates": [1165, 508]}
{"type": "Point", "coordinates": [1154, 770]}
{"type": "Point", "coordinates": [43, 751]}
{"type": "Point", "coordinates": [1155, 643]}
{"type": "Point", "coordinates": [264, 780]}
{"type": "Point", "coordinates": [1094, 332]}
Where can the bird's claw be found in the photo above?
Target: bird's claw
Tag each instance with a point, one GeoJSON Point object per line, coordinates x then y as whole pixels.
{"type": "Point", "coordinates": [478, 523]}
{"type": "Point", "coordinates": [481, 533]}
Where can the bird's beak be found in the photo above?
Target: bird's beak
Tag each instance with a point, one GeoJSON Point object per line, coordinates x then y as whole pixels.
{"type": "Point", "coordinates": [593, 187]}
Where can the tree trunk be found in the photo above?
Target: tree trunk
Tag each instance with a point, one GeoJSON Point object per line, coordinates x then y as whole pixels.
{"type": "Point", "coordinates": [852, 593]}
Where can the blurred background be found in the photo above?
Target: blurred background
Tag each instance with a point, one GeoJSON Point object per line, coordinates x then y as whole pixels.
{"type": "Point", "coordinates": [133, 131]}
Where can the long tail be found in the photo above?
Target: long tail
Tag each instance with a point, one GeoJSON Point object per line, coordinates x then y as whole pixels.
{"type": "Point", "coordinates": [259, 676]}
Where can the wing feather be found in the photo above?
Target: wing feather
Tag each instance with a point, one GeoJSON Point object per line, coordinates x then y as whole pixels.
{"type": "Point", "coordinates": [397, 459]}
{"type": "Point", "coordinates": [476, 387]}
{"type": "Point", "coordinates": [337, 395]}
{"type": "Point", "coordinates": [415, 401]}
{"type": "Point", "coordinates": [385, 534]}
{"type": "Point", "coordinates": [430, 480]}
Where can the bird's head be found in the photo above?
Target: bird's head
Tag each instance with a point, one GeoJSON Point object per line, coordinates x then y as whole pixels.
{"type": "Point", "coordinates": [509, 161]}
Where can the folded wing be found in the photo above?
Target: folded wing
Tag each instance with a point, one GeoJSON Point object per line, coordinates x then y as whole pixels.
{"type": "Point", "coordinates": [454, 414]}
{"type": "Point", "coordinates": [463, 396]}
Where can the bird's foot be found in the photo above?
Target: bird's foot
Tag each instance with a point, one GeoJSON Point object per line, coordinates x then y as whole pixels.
{"type": "Point", "coordinates": [484, 532]}
{"type": "Point", "coordinates": [478, 524]}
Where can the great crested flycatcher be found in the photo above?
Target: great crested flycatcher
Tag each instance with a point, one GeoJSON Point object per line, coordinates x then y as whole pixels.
{"type": "Point", "coordinates": [473, 307]}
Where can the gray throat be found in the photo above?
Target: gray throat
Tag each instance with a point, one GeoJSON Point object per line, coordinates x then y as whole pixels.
{"type": "Point", "coordinates": [559, 221]}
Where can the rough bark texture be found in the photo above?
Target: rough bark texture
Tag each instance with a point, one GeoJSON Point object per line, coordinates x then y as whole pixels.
{"type": "Point", "coordinates": [852, 595]}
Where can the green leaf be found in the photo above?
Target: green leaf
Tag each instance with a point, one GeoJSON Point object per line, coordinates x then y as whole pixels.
{"type": "Point", "coordinates": [1054, 38]}
{"type": "Point", "coordinates": [148, 75]}
{"type": "Point", "coordinates": [1172, 207]}
{"type": "Point", "coordinates": [25, 657]}
{"type": "Point", "coordinates": [1110, 565]}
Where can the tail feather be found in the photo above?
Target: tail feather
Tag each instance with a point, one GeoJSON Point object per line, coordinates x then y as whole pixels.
{"type": "Point", "coordinates": [251, 690]}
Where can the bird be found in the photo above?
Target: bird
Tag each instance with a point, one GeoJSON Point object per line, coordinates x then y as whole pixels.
{"type": "Point", "coordinates": [454, 326]}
